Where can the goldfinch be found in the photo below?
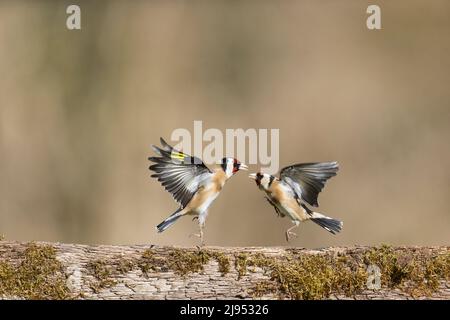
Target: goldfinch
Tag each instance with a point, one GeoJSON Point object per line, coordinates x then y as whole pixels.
{"type": "Point", "coordinates": [192, 184]}
{"type": "Point", "coordinates": [297, 187]}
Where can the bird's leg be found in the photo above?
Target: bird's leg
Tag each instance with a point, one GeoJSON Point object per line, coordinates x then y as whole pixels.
{"type": "Point", "coordinates": [200, 234]}
{"type": "Point", "coordinates": [201, 225]}
{"type": "Point", "coordinates": [195, 234]}
{"type": "Point", "coordinates": [289, 233]}
{"type": "Point", "coordinates": [202, 242]}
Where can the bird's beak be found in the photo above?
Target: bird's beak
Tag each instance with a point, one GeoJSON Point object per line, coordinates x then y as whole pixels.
{"type": "Point", "coordinates": [243, 167]}
{"type": "Point", "coordinates": [252, 176]}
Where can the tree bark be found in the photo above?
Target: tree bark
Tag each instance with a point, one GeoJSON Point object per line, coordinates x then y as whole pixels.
{"type": "Point", "coordinates": [73, 271]}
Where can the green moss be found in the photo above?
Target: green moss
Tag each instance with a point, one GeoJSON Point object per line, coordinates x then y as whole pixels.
{"type": "Point", "coordinates": [148, 262]}
{"type": "Point", "coordinates": [124, 265]}
{"type": "Point", "coordinates": [392, 273]}
{"type": "Point", "coordinates": [223, 261]}
{"type": "Point", "coordinates": [317, 276]}
{"type": "Point", "coordinates": [103, 274]}
{"type": "Point", "coordinates": [182, 261]}
{"type": "Point", "coordinates": [416, 273]}
{"type": "Point", "coordinates": [38, 275]}
{"type": "Point", "coordinates": [240, 264]}
{"type": "Point", "coordinates": [435, 270]}
{"type": "Point", "coordinates": [303, 277]}
{"type": "Point", "coordinates": [264, 287]}
{"type": "Point", "coordinates": [106, 272]}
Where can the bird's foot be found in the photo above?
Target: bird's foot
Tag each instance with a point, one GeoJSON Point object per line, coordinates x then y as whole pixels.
{"type": "Point", "coordinates": [194, 218]}
{"type": "Point", "coordinates": [290, 234]}
{"type": "Point", "coordinates": [198, 235]}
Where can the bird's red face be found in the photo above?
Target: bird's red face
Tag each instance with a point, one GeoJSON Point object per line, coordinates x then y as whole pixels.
{"type": "Point", "coordinates": [231, 166]}
{"type": "Point", "coordinates": [237, 166]}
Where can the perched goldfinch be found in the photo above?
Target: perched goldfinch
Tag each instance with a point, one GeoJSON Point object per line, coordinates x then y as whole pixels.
{"type": "Point", "coordinates": [299, 185]}
{"type": "Point", "coordinates": [192, 184]}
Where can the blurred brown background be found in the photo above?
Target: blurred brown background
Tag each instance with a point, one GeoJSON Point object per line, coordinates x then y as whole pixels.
{"type": "Point", "coordinates": [80, 109]}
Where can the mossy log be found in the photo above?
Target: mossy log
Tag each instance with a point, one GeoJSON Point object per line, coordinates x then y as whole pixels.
{"type": "Point", "coordinates": [72, 271]}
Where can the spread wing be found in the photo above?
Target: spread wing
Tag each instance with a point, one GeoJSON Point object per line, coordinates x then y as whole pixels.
{"type": "Point", "coordinates": [308, 179]}
{"type": "Point", "coordinates": [179, 173]}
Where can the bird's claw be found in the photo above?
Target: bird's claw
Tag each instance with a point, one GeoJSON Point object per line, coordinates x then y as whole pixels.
{"type": "Point", "coordinates": [290, 234]}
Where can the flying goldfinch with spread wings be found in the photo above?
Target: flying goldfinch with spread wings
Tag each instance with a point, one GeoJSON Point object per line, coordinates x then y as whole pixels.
{"type": "Point", "coordinates": [192, 184]}
{"type": "Point", "coordinates": [297, 187]}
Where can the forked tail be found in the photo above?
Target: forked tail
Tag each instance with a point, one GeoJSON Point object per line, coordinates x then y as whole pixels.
{"type": "Point", "coordinates": [331, 225]}
{"type": "Point", "coordinates": [169, 221]}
